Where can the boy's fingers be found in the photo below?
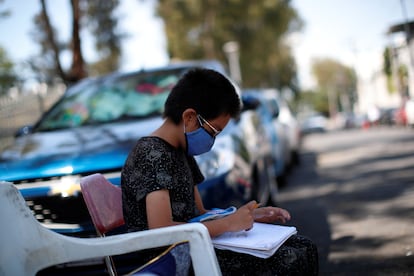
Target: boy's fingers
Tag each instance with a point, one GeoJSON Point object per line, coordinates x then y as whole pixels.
{"type": "Point", "coordinates": [252, 205]}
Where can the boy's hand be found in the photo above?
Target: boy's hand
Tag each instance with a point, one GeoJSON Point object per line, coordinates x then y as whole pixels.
{"type": "Point", "coordinates": [243, 218]}
{"type": "Point", "coordinates": [271, 214]}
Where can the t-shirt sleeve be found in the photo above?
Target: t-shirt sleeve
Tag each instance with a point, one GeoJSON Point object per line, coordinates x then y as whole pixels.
{"type": "Point", "coordinates": [150, 170]}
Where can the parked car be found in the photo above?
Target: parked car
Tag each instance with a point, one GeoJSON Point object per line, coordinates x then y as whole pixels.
{"type": "Point", "coordinates": [387, 116]}
{"type": "Point", "coordinates": [409, 111]}
{"type": "Point", "coordinates": [288, 119]}
{"type": "Point", "coordinates": [92, 129]}
{"type": "Point", "coordinates": [276, 131]}
{"type": "Point", "coordinates": [314, 123]}
{"type": "Point", "coordinates": [400, 116]}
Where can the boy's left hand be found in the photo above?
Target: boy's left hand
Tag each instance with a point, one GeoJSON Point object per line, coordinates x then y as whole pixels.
{"type": "Point", "coordinates": [271, 214]}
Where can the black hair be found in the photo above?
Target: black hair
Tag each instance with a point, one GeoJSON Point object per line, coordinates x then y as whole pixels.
{"type": "Point", "coordinates": [207, 91]}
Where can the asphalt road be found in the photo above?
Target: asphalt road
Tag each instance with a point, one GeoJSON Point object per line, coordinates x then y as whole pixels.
{"type": "Point", "coordinates": [353, 195]}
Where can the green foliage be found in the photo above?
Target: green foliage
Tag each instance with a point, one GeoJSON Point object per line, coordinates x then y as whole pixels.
{"type": "Point", "coordinates": [387, 62]}
{"type": "Point", "coordinates": [46, 65]}
{"type": "Point", "coordinates": [8, 76]}
{"type": "Point", "coordinates": [337, 82]}
{"type": "Point", "coordinates": [99, 18]}
{"type": "Point", "coordinates": [4, 12]}
{"type": "Point", "coordinates": [387, 69]}
{"type": "Point", "coordinates": [102, 23]}
{"type": "Point", "coordinates": [199, 29]}
{"type": "Point", "coordinates": [390, 84]}
{"type": "Point", "coordinates": [402, 73]}
{"type": "Point", "coordinates": [313, 100]}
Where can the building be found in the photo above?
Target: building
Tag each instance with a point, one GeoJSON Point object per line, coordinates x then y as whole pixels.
{"type": "Point", "coordinates": [402, 64]}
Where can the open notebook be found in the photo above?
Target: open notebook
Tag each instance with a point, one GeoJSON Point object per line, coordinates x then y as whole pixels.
{"type": "Point", "coordinates": [261, 241]}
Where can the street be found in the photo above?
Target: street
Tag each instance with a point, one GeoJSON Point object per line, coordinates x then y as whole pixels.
{"type": "Point", "coordinates": [353, 195]}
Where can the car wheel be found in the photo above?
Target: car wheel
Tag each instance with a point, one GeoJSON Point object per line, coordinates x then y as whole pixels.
{"type": "Point", "coordinates": [265, 188]}
{"type": "Point", "coordinates": [273, 186]}
{"type": "Point", "coordinates": [281, 180]}
{"type": "Point", "coordinates": [295, 157]}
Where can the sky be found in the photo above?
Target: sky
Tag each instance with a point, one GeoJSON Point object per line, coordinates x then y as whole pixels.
{"type": "Point", "coordinates": [350, 31]}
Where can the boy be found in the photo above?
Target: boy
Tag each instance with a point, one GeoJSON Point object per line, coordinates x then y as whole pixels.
{"type": "Point", "coordinates": [160, 176]}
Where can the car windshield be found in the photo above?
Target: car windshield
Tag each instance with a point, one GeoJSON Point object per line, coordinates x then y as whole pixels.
{"type": "Point", "coordinates": [111, 99]}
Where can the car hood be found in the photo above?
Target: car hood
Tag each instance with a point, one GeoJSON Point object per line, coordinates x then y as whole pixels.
{"type": "Point", "coordinates": [72, 151]}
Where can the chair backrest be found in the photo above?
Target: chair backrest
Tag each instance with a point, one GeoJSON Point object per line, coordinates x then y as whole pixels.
{"type": "Point", "coordinates": [104, 202]}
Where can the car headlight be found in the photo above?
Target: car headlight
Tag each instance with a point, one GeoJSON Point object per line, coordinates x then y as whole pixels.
{"type": "Point", "coordinates": [219, 160]}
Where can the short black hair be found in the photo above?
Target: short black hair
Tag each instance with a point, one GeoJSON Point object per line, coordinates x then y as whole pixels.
{"type": "Point", "coordinates": [207, 91]}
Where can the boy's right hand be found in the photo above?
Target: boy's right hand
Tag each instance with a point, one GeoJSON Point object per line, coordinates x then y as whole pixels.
{"type": "Point", "coordinates": [243, 218]}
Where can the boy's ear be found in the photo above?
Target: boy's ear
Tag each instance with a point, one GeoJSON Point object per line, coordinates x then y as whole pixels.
{"type": "Point", "coordinates": [189, 118]}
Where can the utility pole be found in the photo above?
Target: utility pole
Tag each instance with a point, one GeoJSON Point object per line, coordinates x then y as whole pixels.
{"type": "Point", "coordinates": [407, 32]}
{"type": "Point", "coordinates": [231, 49]}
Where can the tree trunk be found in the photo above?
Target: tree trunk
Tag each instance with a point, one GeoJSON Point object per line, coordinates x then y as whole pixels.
{"type": "Point", "coordinates": [51, 39]}
{"type": "Point", "coordinates": [77, 71]}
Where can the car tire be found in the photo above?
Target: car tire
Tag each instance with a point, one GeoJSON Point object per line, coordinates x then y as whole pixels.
{"type": "Point", "coordinates": [265, 188]}
{"type": "Point", "coordinates": [295, 157]}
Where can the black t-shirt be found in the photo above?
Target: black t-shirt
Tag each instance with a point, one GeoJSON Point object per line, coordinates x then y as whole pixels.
{"type": "Point", "coordinates": [153, 165]}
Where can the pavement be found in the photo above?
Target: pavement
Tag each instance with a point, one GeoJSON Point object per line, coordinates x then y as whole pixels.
{"type": "Point", "coordinates": [353, 195]}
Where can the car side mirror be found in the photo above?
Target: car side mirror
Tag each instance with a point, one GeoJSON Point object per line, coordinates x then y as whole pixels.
{"type": "Point", "coordinates": [274, 107]}
{"type": "Point", "coordinates": [275, 113]}
{"type": "Point", "coordinates": [23, 131]}
{"type": "Point", "coordinates": [250, 103]}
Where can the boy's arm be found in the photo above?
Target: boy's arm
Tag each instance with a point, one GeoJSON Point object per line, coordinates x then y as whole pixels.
{"type": "Point", "coordinates": [199, 201]}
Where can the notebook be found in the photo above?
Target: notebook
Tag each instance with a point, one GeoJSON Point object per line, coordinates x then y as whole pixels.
{"type": "Point", "coordinates": [262, 240]}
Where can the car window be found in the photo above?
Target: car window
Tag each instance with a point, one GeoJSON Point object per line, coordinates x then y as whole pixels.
{"type": "Point", "coordinates": [111, 99]}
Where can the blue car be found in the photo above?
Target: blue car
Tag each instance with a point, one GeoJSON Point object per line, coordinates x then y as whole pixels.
{"type": "Point", "coordinates": [92, 128]}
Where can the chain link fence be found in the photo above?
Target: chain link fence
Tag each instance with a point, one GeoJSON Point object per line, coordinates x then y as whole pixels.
{"type": "Point", "coordinates": [23, 108]}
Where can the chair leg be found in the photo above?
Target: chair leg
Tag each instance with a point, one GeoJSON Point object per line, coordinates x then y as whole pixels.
{"type": "Point", "coordinates": [109, 262]}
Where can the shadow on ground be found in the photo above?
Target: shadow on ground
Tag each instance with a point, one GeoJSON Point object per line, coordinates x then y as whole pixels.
{"type": "Point", "coordinates": [354, 192]}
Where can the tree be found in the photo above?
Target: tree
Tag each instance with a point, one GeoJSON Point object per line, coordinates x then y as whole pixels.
{"type": "Point", "coordinates": [387, 69]}
{"type": "Point", "coordinates": [8, 77]}
{"type": "Point", "coordinates": [48, 62]}
{"type": "Point", "coordinates": [4, 13]}
{"type": "Point", "coordinates": [312, 101]}
{"type": "Point", "coordinates": [101, 22]}
{"type": "Point", "coordinates": [338, 82]}
{"type": "Point", "coordinates": [199, 29]}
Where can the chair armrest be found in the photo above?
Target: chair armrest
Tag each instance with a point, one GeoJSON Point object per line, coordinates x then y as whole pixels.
{"type": "Point", "coordinates": [202, 252]}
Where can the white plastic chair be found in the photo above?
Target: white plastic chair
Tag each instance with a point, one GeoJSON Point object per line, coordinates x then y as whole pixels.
{"type": "Point", "coordinates": [27, 247]}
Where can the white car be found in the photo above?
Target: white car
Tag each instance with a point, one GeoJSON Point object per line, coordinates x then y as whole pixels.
{"type": "Point", "coordinates": [409, 111]}
{"type": "Point", "coordinates": [287, 117]}
{"type": "Point", "coordinates": [314, 123]}
{"type": "Point", "coordinates": [282, 127]}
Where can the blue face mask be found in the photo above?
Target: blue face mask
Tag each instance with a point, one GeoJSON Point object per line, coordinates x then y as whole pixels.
{"type": "Point", "coordinates": [199, 141]}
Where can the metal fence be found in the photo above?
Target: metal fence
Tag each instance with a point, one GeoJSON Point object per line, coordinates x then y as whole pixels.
{"type": "Point", "coordinates": [24, 109]}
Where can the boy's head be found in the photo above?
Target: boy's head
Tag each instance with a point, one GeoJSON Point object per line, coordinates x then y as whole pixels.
{"type": "Point", "coordinates": [208, 92]}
